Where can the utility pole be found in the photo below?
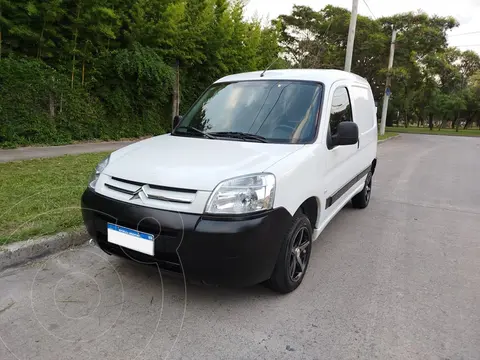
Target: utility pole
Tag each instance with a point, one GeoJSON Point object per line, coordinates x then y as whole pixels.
{"type": "Point", "coordinates": [176, 93]}
{"type": "Point", "coordinates": [388, 91]}
{"type": "Point", "coordinates": [351, 36]}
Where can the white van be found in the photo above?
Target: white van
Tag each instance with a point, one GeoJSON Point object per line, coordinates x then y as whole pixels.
{"type": "Point", "coordinates": [246, 181]}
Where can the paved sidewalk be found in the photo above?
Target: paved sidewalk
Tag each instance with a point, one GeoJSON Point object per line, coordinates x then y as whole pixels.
{"type": "Point", "coordinates": [27, 153]}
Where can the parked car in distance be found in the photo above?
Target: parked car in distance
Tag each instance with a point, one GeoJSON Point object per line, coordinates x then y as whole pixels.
{"type": "Point", "coordinates": [247, 180]}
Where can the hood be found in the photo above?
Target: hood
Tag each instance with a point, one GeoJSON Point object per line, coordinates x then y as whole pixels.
{"type": "Point", "coordinates": [193, 163]}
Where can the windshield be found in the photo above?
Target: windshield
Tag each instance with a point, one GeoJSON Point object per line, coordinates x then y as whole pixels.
{"type": "Point", "coordinates": [277, 111]}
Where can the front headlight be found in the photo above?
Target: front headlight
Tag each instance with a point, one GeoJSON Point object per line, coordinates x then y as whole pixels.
{"type": "Point", "coordinates": [243, 195]}
{"type": "Point", "coordinates": [96, 173]}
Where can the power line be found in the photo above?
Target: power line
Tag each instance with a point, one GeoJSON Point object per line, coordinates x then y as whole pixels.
{"type": "Point", "coordinates": [468, 33]}
{"type": "Point", "coordinates": [368, 7]}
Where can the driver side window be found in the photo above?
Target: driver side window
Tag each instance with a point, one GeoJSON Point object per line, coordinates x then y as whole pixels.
{"type": "Point", "coordinates": [341, 111]}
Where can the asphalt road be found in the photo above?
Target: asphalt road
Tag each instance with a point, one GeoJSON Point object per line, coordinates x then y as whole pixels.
{"type": "Point", "coordinates": [399, 280]}
{"type": "Point", "coordinates": [26, 153]}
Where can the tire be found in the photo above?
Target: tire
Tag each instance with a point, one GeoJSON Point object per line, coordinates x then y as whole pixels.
{"type": "Point", "coordinates": [362, 199]}
{"type": "Point", "coordinates": [292, 262]}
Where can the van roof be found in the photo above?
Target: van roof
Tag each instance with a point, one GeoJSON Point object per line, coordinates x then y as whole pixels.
{"type": "Point", "coordinates": [325, 76]}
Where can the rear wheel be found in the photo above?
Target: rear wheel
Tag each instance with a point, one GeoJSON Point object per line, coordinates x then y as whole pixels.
{"type": "Point", "coordinates": [362, 199]}
{"type": "Point", "coordinates": [294, 256]}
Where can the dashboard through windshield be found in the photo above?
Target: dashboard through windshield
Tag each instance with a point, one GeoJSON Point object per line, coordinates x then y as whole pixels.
{"type": "Point", "coordinates": [264, 110]}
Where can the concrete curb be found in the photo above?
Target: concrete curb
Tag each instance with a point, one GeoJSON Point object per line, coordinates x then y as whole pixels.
{"type": "Point", "coordinates": [25, 251]}
{"type": "Point", "coordinates": [390, 138]}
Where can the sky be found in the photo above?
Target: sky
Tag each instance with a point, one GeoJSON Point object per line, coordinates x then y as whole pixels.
{"type": "Point", "coordinates": [467, 13]}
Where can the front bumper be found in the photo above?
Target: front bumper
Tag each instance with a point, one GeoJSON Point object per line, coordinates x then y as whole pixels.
{"type": "Point", "coordinates": [234, 251]}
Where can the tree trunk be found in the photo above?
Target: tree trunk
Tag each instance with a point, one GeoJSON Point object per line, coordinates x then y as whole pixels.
{"type": "Point", "coordinates": [0, 39]}
{"type": "Point", "coordinates": [469, 120]}
{"type": "Point", "coordinates": [52, 106]}
{"type": "Point", "coordinates": [430, 121]}
{"type": "Point", "coordinates": [73, 60]}
{"type": "Point", "coordinates": [83, 62]}
{"type": "Point", "coordinates": [456, 121]}
{"type": "Point", "coordinates": [442, 124]}
{"type": "Point", "coordinates": [39, 52]}
{"type": "Point", "coordinates": [75, 46]}
{"type": "Point", "coordinates": [0, 34]}
{"type": "Point", "coordinates": [83, 73]}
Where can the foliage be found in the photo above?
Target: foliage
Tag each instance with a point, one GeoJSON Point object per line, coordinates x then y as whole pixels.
{"type": "Point", "coordinates": [37, 105]}
{"type": "Point", "coordinates": [142, 84]}
{"type": "Point", "coordinates": [84, 69]}
{"type": "Point", "coordinates": [430, 81]}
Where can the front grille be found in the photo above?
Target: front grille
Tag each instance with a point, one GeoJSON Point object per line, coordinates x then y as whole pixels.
{"type": "Point", "coordinates": [150, 192]}
{"type": "Point", "coordinates": [125, 191]}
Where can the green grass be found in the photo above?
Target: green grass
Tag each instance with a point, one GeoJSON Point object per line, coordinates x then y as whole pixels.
{"type": "Point", "coordinates": [42, 196]}
{"type": "Point", "coordinates": [435, 131]}
{"type": "Point", "coordinates": [387, 135]}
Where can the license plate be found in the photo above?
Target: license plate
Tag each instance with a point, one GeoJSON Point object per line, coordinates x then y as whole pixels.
{"type": "Point", "coordinates": [131, 239]}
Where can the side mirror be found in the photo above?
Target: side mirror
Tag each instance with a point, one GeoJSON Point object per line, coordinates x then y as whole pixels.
{"type": "Point", "coordinates": [347, 133]}
{"type": "Point", "coordinates": [176, 121]}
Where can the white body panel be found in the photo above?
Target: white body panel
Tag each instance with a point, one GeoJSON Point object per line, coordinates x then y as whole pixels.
{"type": "Point", "coordinates": [194, 163]}
{"type": "Point", "coordinates": [198, 165]}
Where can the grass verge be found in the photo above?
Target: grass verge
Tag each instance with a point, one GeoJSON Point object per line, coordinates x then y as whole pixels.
{"type": "Point", "coordinates": [435, 131]}
{"type": "Point", "coordinates": [387, 135]}
{"type": "Point", "coordinates": [42, 196]}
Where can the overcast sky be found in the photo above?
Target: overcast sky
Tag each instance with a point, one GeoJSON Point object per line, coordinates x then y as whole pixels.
{"type": "Point", "coordinates": [467, 13]}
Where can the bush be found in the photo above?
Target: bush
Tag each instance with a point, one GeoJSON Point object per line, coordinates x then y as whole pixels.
{"type": "Point", "coordinates": [39, 106]}
{"type": "Point", "coordinates": [136, 92]}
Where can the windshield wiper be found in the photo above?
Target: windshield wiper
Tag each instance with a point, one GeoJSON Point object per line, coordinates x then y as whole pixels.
{"type": "Point", "coordinates": [240, 135]}
{"type": "Point", "coordinates": [207, 135]}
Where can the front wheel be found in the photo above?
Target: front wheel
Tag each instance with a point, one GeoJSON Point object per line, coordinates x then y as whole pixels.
{"type": "Point", "coordinates": [294, 256]}
{"type": "Point", "coordinates": [362, 199]}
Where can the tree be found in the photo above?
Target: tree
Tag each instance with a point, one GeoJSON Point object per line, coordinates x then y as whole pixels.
{"type": "Point", "coordinates": [117, 56]}
{"type": "Point", "coordinates": [472, 97]}
{"type": "Point", "coordinates": [317, 39]}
